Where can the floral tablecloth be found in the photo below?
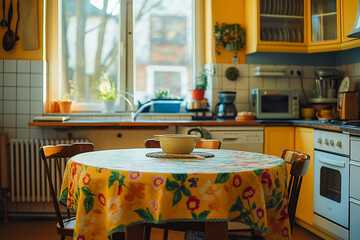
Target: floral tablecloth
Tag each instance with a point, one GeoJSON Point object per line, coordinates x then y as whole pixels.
{"type": "Point", "coordinates": [114, 189]}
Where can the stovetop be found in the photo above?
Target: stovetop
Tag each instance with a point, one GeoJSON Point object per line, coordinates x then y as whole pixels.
{"type": "Point", "coordinates": [344, 123]}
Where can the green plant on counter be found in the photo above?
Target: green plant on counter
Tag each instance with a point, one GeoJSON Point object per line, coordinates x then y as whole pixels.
{"type": "Point", "coordinates": [201, 80]}
{"type": "Point", "coordinates": [107, 90]}
{"type": "Point", "coordinates": [164, 94]}
{"type": "Point", "coordinates": [229, 36]}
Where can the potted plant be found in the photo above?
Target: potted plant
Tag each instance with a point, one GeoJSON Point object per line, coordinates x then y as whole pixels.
{"type": "Point", "coordinates": [200, 86]}
{"type": "Point", "coordinates": [166, 103]}
{"type": "Point", "coordinates": [107, 93]}
{"type": "Point", "coordinates": [66, 99]}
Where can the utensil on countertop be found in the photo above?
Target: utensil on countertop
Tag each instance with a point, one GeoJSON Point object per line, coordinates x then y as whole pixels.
{"type": "Point", "coordinates": [10, 37]}
{"type": "Point", "coordinates": [3, 21]}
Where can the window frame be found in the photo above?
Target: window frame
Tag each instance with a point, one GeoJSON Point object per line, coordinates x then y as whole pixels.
{"type": "Point", "coordinates": [126, 76]}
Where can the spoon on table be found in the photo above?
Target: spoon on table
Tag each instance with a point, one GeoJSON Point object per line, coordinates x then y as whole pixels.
{"type": "Point", "coordinates": [3, 21]}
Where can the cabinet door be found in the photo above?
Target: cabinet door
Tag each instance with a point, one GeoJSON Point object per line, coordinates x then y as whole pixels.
{"type": "Point", "coordinates": [280, 26]}
{"type": "Point", "coordinates": [325, 22]}
{"type": "Point", "coordinates": [349, 10]}
{"type": "Point", "coordinates": [304, 143]}
{"type": "Point", "coordinates": [276, 139]}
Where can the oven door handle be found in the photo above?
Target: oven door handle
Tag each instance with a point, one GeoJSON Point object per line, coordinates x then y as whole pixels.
{"type": "Point", "coordinates": [332, 162]}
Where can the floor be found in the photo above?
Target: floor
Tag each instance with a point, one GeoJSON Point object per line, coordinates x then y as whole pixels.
{"type": "Point", "coordinates": [46, 230]}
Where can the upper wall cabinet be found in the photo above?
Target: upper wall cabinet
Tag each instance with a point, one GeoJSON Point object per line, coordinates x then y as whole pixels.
{"type": "Point", "coordinates": [298, 26]}
{"type": "Point", "coordinates": [348, 17]}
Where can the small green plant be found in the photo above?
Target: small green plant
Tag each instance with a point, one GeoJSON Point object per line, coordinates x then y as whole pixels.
{"type": "Point", "coordinates": [107, 90]}
{"type": "Point", "coordinates": [164, 94]}
{"type": "Point", "coordinates": [201, 80]}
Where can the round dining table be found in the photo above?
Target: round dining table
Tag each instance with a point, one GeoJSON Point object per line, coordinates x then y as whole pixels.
{"type": "Point", "coordinates": [117, 190]}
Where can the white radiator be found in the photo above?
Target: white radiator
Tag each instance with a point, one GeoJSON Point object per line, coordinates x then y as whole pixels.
{"type": "Point", "coordinates": [28, 181]}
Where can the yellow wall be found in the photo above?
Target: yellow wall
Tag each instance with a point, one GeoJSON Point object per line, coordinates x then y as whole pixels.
{"type": "Point", "coordinates": [17, 52]}
{"type": "Point", "coordinates": [230, 12]}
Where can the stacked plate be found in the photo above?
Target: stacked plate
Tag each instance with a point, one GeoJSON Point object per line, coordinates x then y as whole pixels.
{"type": "Point", "coordinates": [282, 7]}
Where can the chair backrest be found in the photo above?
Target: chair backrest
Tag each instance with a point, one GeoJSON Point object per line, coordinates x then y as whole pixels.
{"type": "Point", "coordinates": [299, 165]}
{"type": "Point", "coordinates": [206, 143]}
{"type": "Point", "coordinates": [60, 153]}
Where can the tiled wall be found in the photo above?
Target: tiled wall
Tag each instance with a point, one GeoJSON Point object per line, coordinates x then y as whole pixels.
{"type": "Point", "coordinates": [247, 81]}
{"type": "Point", "coordinates": [353, 72]}
{"type": "Point", "coordinates": [21, 96]}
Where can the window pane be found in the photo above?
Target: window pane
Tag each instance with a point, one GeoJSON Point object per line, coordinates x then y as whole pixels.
{"type": "Point", "coordinates": [163, 47]}
{"type": "Point", "coordinates": [90, 37]}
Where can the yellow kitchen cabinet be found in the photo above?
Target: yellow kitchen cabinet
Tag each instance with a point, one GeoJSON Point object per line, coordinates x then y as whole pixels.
{"type": "Point", "coordinates": [348, 16]}
{"type": "Point", "coordinates": [276, 139]}
{"type": "Point", "coordinates": [276, 26]}
{"type": "Point", "coordinates": [304, 143]}
{"type": "Point", "coordinates": [324, 27]}
{"type": "Point", "coordinates": [306, 26]}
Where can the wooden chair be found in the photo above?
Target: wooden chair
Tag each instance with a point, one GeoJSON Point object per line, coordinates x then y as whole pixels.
{"type": "Point", "coordinates": [299, 165]}
{"type": "Point", "coordinates": [151, 143]}
{"type": "Point", "coordinates": [66, 225]}
{"type": "Point", "coordinates": [207, 143]}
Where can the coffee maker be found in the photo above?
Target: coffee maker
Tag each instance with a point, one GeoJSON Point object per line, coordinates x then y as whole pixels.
{"type": "Point", "coordinates": [226, 109]}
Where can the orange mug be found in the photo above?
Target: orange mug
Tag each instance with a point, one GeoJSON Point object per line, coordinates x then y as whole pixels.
{"type": "Point", "coordinates": [325, 113]}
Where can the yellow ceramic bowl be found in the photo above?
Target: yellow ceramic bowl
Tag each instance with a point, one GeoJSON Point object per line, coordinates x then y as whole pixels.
{"type": "Point", "coordinates": [307, 113]}
{"type": "Point", "coordinates": [177, 143]}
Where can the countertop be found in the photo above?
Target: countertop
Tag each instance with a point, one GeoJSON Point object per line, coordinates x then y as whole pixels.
{"type": "Point", "coordinates": [154, 123]}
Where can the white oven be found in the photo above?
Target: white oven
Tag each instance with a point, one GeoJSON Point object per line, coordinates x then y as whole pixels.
{"type": "Point", "coordinates": [331, 183]}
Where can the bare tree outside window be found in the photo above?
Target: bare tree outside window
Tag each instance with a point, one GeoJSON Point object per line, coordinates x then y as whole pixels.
{"type": "Point", "coordinates": [90, 45]}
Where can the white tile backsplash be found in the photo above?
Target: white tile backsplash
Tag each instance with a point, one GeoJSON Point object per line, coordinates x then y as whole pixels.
{"type": "Point", "coordinates": [242, 96]}
{"type": "Point", "coordinates": [23, 93]}
{"type": "Point", "coordinates": [22, 107]}
{"type": "Point", "coordinates": [9, 93]}
{"type": "Point", "coordinates": [23, 66]}
{"type": "Point", "coordinates": [9, 107]}
{"type": "Point", "coordinates": [282, 82]}
{"type": "Point", "coordinates": [36, 66]}
{"type": "Point", "coordinates": [36, 80]}
{"type": "Point", "coordinates": [10, 66]}
{"type": "Point", "coordinates": [23, 80]}
{"type": "Point", "coordinates": [356, 69]}
{"type": "Point", "coordinates": [22, 120]}
{"type": "Point", "coordinates": [228, 85]}
{"type": "Point", "coordinates": [9, 121]}
{"type": "Point", "coordinates": [10, 79]}
{"type": "Point", "coordinates": [255, 82]}
{"type": "Point", "coordinates": [36, 94]}
{"type": "Point", "coordinates": [36, 107]}
{"type": "Point", "coordinates": [242, 83]}
{"type": "Point", "coordinates": [269, 83]}
{"type": "Point", "coordinates": [243, 70]}
{"type": "Point", "coordinates": [17, 100]}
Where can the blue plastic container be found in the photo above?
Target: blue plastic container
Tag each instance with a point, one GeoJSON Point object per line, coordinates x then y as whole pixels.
{"type": "Point", "coordinates": [166, 106]}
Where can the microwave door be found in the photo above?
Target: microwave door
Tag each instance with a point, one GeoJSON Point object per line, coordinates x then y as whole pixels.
{"type": "Point", "coordinates": [275, 103]}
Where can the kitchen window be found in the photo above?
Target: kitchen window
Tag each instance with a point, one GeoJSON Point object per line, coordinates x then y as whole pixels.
{"type": "Point", "coordinates": [143, 45]}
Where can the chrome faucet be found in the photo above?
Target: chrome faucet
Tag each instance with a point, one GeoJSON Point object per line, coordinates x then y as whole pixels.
{"type": "Point", "coordinates": [140, 109]}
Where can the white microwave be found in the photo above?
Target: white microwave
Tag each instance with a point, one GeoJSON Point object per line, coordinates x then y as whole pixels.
{"type": "Point", "coordinates": [269, 103]}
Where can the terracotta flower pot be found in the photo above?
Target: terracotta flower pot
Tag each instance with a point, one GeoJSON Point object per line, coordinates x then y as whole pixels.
{"type": "Point", "coordinates": [198, 94]}
{"type": "Point", "coordinates": [65, 107]}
